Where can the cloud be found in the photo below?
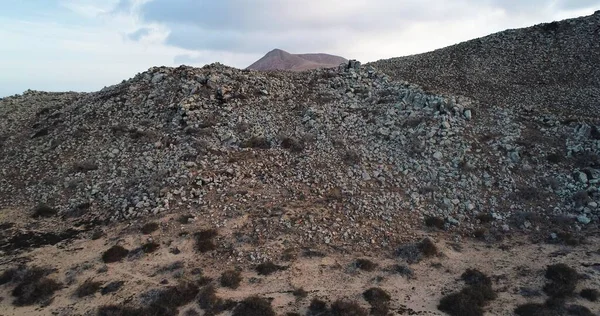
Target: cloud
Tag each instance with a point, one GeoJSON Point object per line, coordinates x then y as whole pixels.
{"type": "Point", "coordinates": [253, 26]}
{"type": "Point", "coordinates": [87, 44]}
{"type": "Point", "coordinates": [137, 35]}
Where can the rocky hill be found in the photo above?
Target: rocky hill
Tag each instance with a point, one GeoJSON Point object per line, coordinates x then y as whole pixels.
{"type": "Point", "coordinates": [278, 59]}
{"type": "Point", "coordinates": [551, 67]}
{"type": "Point", "coordinates": [326, 183]}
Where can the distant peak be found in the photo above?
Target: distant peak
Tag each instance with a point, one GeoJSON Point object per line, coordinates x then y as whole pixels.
{"type": "Point", "coordinates": [277, 51]}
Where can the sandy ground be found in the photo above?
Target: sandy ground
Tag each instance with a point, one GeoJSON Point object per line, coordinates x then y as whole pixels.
{"type": "Point", "coordinates": [513, 264]}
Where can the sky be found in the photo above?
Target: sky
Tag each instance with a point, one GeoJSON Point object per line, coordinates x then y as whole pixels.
{"type": "Point", "coordinates": [84, 45]}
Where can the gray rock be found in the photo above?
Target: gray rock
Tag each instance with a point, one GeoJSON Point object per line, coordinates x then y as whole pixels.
{"type": "Point", "coordinates": [467, 114]}
{"type": "Point", "coordinates": [583, 219]}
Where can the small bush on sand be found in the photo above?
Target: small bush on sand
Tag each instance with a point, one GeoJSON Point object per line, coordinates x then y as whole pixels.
{"type": "Point", "coordinates": [436, 222]}
{"type": "Point", "coordinates": [379, 300]}
{"type": "Point", "coordinates": [114, 254]}
{"type": "Point", "coordinates": [231, 279]}
{"type": "Point", "coordinates": [415, 252]}
{"type": "Point", "coordinates": [471, 299]}
{"type": "Point", "coordinates": [112, 287]}
{"type": "Point", "coordinates": [317, 307]}
{"type": "Point", "coordinates": [205, 240]}
{"type": "Point", "coordinates": [476, 277]}
{"type": "Point", "coordinates": [347, 308]}
{"type": "Point", "coordinates": [563, 280]}
{"type": "Point", "coordinates": [268, 268]}
{"type": "Point", "coordinates": [590, 294]}
{"type": "Point", "coordinates": [365, 265]}
{"type": "Point", "coordinates": [376, 295]}
{"type": "Point", "coordinates": [149, 228]}
{"type": "Point", "coordinates": [43, 210]}
{"type": "Point", "coordinates": [211, 303]}
{"type": "Point", "coordinates": [150, 247]}
{"type": "Point", "coordinates": [300, 293]}
{"type": "Point", "coordinates": [88, 288]}
{"type": "Point", "coordinates": [428, 248]}
{"type": "Point", "coordinates": [254, 306]}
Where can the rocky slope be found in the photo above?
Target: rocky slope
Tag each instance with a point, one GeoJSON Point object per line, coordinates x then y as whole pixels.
{"type": "Point", "coordinates": [551, 67]}
{"type": "Point", "coordinates": [278, 59]}
{"type": "Point", "coordinates": [241, 167]}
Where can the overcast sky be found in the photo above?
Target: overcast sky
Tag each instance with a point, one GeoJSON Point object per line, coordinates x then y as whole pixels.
{"type": "Point", "coordinates": [83, 45]}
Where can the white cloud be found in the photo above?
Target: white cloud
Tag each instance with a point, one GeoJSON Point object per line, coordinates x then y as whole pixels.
{"type": "Point", "coordinates": [88, 44]}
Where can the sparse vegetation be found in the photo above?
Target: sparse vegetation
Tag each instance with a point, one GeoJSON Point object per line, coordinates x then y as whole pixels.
{"type": "Point", "coordinates": [436, 222]}
{"type": "Point", "coordinates": [184, 219]}
{"type": "Point", "coordinates": [552, 307]}
{"type": "Point", "coordinates": [43, 210]}
{"type": "Point", "coordinates": [365, 265]}
{"type": "Point", "coordinates": [254, 306]}
{"type": "Point", "coordinates": [149, 228]}
{"type": "Point", "coordinates": [114, 254]}
{"type": "Point", "coordinates": [257, 143]}
{"type": "Point", "coordinates": [111, 287]}
{"type": "Point", "coordinates": [317, 307]}
{"type": "Point", "coordinates": [268, 268]}
{"type": "Point", "coordinates": [231, 279]}
{"type": "Point", "coordinates": [150, 247]}
{"type": "Point", "coordinates": [205, 240]}
{"type": "Point", "coordinates": [415, 252]}
{"type": "Point", "coordinates": [300, 293]}
{"type": "Point", "coordinates": [590, 294]}
{"type": "Point", "coordinates": [88, 288]}
{"type": "Point", "coordinates": [472, 298]}
{"type": "Point", "coordinates": [292, 144]}
{"type": "Point", "coordinates": [428, 248]}
{"type": "Point", "coordinates": [476, 277]}
{"type": "Point", "coordinates": [33, 285]}
{"type": "Point", "coordinates": [211, 303]}
{"type": "Point", "coordinates": [379, 300]}
{"type": "Point", "coordinates": [563, 280]}
{"type": "Point", "coordinates": [347, 308]}
{"type": "Point", "coordinates": [403, 270]}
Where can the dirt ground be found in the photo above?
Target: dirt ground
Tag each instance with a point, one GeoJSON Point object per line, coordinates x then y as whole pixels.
{"type": "Point", "coordinates": [516, 266]}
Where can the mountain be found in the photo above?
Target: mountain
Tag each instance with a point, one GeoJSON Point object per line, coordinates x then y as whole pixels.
{"type": "Point", "coordinates": [278, 59]}
{"type": "Point", "coordinates": [215, 188]}
{"type": "Point", "coordinates": [552, 67]}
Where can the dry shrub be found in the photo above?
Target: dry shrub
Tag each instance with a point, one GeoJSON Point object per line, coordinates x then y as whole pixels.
{"type": "Point", "coordinates": [268, 268]}
{"type": "Point", "coordinates": [43, 210]}
{"type": "Point", "coordinates": [254, 306]}
{"type": "Point", "coordinates": [590, 294]}
{"type": "Point", "coordinates": [365, 265]}
{"type": "Point", "coordinates": [204, 240]}
{"type": "Point", "coordinates": [150, 247]}
{"type": "Point", "coordinates": [292, 144]}
{"type": "Point", "coordinates": [300, 293]}
{"type": "Point", "coordinates": [211, 303]}
{"type": "Point", "coordinates": [149, 228]}
{"type": "Point", "coordinates": [436, 222]}
{"type": "Point", "coordinates": [114, 254]}
{"type": "Point", "coordinates": [88, 288]}
{"type": "Point", "coordinates": [231, 279]}
{"type": "Point", "coordinates": [471, 299]}
{"type": "Point", "coordinates": [347, 308]}
{"type": "Point", "coordinates": [563, 280]}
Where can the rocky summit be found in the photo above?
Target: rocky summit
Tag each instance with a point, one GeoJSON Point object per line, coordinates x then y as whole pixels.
{"type": "Point", "coordinates": [469, 144]}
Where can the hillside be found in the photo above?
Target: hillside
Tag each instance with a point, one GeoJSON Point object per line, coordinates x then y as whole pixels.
{"type": "Point", "coordinates": [552, 67]}
{"type": "Point", "coordinates": [188, 191]}
{"type": "Point", "coordinates": [278, 59]}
